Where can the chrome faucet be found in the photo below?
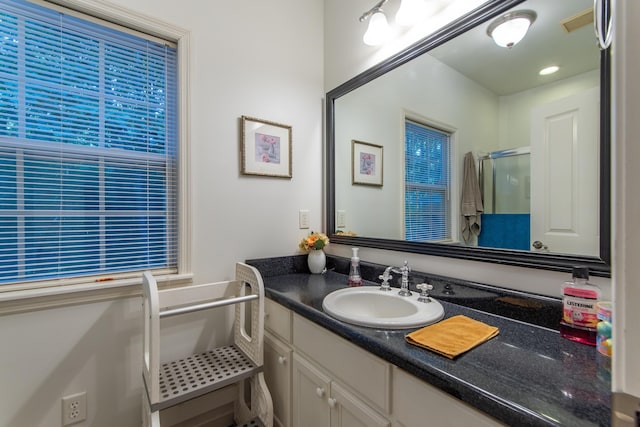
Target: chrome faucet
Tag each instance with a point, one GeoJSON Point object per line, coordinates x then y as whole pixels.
{"type": "Point", "coordinates": [404, 285]}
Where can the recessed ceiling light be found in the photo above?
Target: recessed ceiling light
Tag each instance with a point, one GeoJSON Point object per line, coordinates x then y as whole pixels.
{"type": "Point", "coordinates": [549, 70]}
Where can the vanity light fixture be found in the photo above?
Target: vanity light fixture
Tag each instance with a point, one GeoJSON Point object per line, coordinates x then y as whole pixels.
{"type": "Point", "coordinates": [507, 30]}
{"type": "Point", "coordinates": [378, 30]}
{"type": "Point", "coordinates": [410, 12]}
{"type": "Point", "coordinates": [548, 70]}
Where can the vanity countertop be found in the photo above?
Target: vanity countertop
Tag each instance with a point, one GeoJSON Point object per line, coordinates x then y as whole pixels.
{"type": "Point", "coordinates": [526, 376]}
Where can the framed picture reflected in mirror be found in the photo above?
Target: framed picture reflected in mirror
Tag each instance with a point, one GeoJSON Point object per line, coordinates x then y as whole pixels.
{"type": "Point", "coordinates": [366, 163]}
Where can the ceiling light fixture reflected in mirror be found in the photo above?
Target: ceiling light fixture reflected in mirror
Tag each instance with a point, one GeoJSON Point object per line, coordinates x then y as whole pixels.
{"type": "Point", "coordinates": [549, 70]}
{"type": "Point", "coordinates": [510, 28]}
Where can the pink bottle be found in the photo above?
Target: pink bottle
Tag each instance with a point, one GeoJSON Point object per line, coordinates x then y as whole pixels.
{"type": "Point", "coordinates": [579, 308]}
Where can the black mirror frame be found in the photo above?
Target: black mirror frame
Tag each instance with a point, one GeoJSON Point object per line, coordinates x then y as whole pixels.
{"type": "Point", "coordinates": [598, 266]}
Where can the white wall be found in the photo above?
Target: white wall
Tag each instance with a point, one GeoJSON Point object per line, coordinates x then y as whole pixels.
{"type": "Point", "coordinates": [515, 110]}
{"type": "Point", "coordinates": [345, 57]}
{"type": "Point", "coordinates": [52, 353]}
{"type": "Point", "coordinates": [261, 59]}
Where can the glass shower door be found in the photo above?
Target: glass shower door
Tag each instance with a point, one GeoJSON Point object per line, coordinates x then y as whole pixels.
{"type": "Point", "coordinates": [505, 178]}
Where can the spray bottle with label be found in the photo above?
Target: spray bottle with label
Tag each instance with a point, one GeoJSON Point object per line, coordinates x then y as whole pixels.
{"type": "Point", "coordinates": [579, 311]}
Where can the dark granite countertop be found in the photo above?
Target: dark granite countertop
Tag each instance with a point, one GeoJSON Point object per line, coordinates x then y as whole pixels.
{"type": "Point", "coordinates": [526, 376]}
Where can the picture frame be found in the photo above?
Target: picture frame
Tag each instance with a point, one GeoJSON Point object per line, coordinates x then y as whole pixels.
{"type": "Point", "coordinates": [265, 148]}
{"type": "Point", "coordinates": [366, 164]}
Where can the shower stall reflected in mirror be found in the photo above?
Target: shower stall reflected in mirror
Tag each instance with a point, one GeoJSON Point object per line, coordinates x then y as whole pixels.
{"type": "Point", "coordinates": [505, 185]}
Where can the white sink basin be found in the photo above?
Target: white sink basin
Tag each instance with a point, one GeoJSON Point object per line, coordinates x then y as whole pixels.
{"type": "Point", "coordinates": [369, 306]}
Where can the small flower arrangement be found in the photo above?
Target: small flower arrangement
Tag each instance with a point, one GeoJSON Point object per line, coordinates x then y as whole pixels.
{"type": "Point", "coordinates": [345, 233]}
{"type": "Point", "coordinates": [314, 241]}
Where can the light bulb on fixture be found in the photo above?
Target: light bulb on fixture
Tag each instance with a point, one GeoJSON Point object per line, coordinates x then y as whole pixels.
{"type": "Point", "coordinates": [410, 12]}
{"type": "Point", "coordinates": [378, 30]}
{"type": "Point", "coordinates": [510, 28]}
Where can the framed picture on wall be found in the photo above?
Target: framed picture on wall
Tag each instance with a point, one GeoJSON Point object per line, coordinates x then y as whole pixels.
{"type": "Point", "coordinates": [265, 148]}
{"type": "Point", "coordinates": [366, 163]}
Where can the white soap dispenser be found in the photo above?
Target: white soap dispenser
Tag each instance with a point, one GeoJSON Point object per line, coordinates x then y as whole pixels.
{"type": "Point", "coordinates": [354, 270]}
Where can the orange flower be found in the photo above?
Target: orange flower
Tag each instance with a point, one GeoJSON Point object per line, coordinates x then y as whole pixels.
{"type": "Point", "coordinates": [314, 241]}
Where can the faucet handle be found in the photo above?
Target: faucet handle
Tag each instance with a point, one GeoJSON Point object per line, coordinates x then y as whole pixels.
{"type": "Point", "coordinates": [424, 296]}
{"type": "Point", "coordinates": [385, 277]}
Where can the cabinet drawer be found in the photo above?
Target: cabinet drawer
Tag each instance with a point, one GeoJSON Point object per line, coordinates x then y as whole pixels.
{"type": "Point", "coordinates": [277, 320]}
{"type": "Point", "coordinates": [358, 369]}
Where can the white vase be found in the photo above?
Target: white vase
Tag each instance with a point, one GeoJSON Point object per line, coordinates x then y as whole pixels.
{"type": "Point", "coordinates": [316, 261]}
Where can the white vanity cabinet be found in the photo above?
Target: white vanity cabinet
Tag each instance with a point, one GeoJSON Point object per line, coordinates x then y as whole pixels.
{"type": "Point", "coordinates": [318, 379]}
{"type": "Point", "coordinates": [278, 361]}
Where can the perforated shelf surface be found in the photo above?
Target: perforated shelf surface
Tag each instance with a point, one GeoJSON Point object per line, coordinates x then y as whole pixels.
{"type": "Point", "coordinates": [193, 376]}
{"type": "Point", "coordinates": [253, 423]}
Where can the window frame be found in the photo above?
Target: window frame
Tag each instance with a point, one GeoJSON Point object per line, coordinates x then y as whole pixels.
{"type": "Point", "coordinates": [452, 192]}
{"type": "Point", "coordinates": [53, 292]}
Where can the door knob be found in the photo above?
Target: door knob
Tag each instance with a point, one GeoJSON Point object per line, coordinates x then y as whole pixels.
{"type": "Point", "coordinates": [539, 245]}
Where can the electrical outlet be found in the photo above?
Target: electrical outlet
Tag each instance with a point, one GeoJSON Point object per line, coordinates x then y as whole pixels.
{"type": "Point", "coordinates": [303, 218]}
{"type": "Point", "coordinates": [74, 408]}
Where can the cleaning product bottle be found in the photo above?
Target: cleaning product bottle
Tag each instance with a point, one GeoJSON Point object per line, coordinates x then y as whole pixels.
{"type": "Point", "coordinates": [579, 311]}
{"type": "Point", "coordinates": [354, 270]}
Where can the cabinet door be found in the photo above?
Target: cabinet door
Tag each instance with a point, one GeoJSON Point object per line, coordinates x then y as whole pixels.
{"type": "Point", "coordinates": [349, 411]}
{"type": "Point", "coordinates": [310, 393]}
{"type": "Point", "coordinates": [277, 374]}
{"type": "Point", "coordinates": [418, 404]}
{"type": "Point", "coordinates": [352, 366]}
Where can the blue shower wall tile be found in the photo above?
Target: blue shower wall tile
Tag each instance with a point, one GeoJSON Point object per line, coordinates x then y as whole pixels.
{"type": "Point", "coordinates": [506, 231]}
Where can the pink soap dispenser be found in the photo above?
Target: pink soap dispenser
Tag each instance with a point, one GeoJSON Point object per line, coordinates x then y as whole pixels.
{"type": "Point", "coordinates": [354, 269]}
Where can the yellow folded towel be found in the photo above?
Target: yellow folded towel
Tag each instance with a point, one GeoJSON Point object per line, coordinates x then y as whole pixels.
{"type": "Point", "coordinates": [452, 336]}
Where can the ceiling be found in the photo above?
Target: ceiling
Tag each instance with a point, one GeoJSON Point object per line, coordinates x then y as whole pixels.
{"type": "Point", "coordinates": [506, 71]}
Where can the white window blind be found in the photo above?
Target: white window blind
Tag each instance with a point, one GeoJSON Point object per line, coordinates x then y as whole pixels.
{"type": "Point", "coordinates": [427, 166]}
{"type": "Point", "coordinates": [88, 147]}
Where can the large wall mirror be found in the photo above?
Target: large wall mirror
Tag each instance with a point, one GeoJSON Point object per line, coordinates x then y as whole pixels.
{"type": "Point", "coordinates": [538, 144]}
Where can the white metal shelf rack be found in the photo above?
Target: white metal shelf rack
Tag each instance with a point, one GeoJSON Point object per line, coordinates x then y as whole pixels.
{"type": "Point", "coordinates": [172, 383]}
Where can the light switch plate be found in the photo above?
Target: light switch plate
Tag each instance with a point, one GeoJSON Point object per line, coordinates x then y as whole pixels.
{"type": "Point", "coordinates": [303, 218]}
{"type": "Point", "coordinates": [341, 219]}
